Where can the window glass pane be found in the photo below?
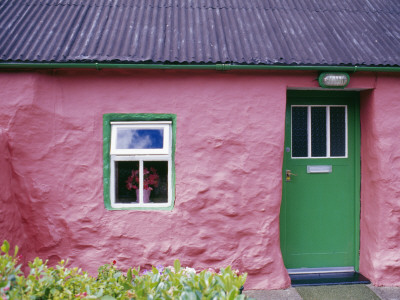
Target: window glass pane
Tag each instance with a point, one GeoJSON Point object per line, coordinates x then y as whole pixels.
{"type": "Point", "coordinates": [318, 131]}
{"type": "Point", "coordinates": [124, 192]}
{"type": "Point", "coordinates": [338, 131]}
{"type": "Point", "coordinates": [133, 138]}
{"type": "Point", "coordinates": [299, 132]}
{"type": "Point", "coordinates": [155, 177]}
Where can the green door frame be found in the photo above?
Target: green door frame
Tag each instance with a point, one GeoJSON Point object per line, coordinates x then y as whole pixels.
{"type": "Point", "coordinates": [357, 168]}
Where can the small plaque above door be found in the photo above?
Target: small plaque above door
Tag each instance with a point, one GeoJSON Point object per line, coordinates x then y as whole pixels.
{"type": "Point", "coordinates": [319, 169]}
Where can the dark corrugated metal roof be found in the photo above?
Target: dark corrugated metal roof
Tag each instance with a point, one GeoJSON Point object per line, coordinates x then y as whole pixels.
{"type": "Point", "coordinates": [292, 32]}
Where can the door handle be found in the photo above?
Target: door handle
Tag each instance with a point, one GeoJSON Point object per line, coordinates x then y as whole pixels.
{"type": "Point", "coordinates": [289, 175]}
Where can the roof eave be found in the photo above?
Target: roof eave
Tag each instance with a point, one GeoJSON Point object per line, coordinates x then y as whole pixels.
{"type": "Point", "coordinates": [219, 67]}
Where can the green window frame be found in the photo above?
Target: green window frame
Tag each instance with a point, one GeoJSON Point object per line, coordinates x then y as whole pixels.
{"type": "Point", "coordinates": [111, 158]}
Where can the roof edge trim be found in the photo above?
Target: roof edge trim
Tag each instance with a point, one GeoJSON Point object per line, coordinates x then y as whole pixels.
{"type": "Point", "coordinates": [219, 67]}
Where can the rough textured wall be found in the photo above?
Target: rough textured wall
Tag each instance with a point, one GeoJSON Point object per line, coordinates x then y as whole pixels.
{"type": "Point", "coordinates": [380, 182]}
{"type": "Point", "coordinates": [10, 220]}
{"type": "Point", "coordinates": [230, 131]}
{"type": "Point", "coordinates": [15, 216]}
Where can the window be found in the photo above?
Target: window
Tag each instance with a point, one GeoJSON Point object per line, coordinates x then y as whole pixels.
{"type": "Point", "coordinates": [138, 161]}
{"type": "Point", "coordinates": [319, 131]}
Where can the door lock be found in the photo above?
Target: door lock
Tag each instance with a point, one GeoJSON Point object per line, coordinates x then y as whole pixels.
{"type": "Point", "coordinates": [289, 175]}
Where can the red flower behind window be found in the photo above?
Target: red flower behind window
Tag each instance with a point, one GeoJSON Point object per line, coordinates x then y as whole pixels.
{"type": "Point", "coordinates": [150, 179]}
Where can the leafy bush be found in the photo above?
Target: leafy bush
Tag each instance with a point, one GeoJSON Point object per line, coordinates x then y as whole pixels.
{"type": "Point", "coordinates": [60, 282]}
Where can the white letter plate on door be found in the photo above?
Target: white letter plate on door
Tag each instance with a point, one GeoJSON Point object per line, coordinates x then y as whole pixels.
{"type": "Point", "coordinates": [319, 169]}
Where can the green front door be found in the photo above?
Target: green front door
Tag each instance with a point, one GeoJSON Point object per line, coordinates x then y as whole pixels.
{"type": "Point", "coordinates": [321, 171]}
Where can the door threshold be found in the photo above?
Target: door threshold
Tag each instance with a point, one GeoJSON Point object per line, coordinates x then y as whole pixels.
{"type": "Point", "coordinates": [327, 278]}
{"type": "Point", "coordinates": [320, 270]}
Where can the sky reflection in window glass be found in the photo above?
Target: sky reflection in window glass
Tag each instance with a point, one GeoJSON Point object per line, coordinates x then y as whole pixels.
{"type": "Point", "coordinates": [139, 138]}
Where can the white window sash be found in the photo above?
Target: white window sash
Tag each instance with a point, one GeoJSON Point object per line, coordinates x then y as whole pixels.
{"type": "Point", "coordinates": [141, 159]}
{"type": "Point", "coordinates": [165, 126]}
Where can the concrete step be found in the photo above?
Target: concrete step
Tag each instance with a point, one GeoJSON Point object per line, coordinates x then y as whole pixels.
{"type": "Point", "coordinates": [329, 292]}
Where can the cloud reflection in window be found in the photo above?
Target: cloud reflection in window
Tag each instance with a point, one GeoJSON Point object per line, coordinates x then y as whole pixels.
{"type": "Point", "coordinates": [139, 138]}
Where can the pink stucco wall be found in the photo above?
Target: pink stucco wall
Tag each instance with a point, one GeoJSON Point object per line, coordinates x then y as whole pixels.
{"type": "Point", "coordinates": [230, 132]}
{"type": "Point", "coordinates": [380, 182]}
{"type": "Point", "coordinates": [10, 210]}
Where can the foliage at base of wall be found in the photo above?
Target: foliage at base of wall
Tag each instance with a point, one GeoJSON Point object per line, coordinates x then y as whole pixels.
{"type": "Point", "coordinates": [61, 282]}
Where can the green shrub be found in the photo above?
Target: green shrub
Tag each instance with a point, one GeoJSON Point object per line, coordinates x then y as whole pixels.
{"type": "Point", "coordinates": [60, 282]}
{"type": "Point", "coordinates": [11, 278]}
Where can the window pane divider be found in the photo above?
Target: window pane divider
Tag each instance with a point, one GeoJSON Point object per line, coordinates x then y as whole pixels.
{"type": "Point", "coordinates": [141, 181]}
{"type": "Point", "coordinates": [309, 131]}
{"type": "Point", "coordinates": [328, 131]}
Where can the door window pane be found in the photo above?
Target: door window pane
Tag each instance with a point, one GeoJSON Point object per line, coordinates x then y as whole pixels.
{"type": "Point", "coordinates": [318, 131]}
{"type": "Point", "coordinates": [338, 131]}
{"type": "Point", "coordinates": [299, 132]}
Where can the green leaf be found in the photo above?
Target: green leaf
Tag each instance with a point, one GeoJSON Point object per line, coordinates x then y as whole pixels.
{"type": "Point", "coordinates": [117, 275]}
{"type": "Point", "coordinates": [107, 297]}
{"type": "Point", "coordinates": [127, 286]}
{"type": "Point", "coordinates": [177, 266]}
{"type": "Point", "coordinates": [220, 281]}
{"type": "Point", "coordinates": [129, 275]}
{"type": "Point", "coordinates": [98, 294]}
{"type": "Point", "coordinates": [136, 271]}
{"type": "Point", "coordinates": [232, 295]}
{"type": "Point", "coordinates": [199, 295]}
{"type": "Point", "coordinates": [16, 251]}
{"type": "Point", "coordinates": [188, 296]}
{"type": "Point", "coordinates": [5, 247]}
